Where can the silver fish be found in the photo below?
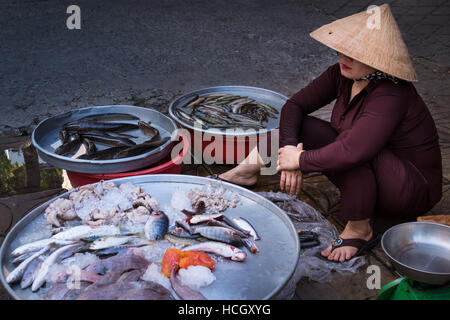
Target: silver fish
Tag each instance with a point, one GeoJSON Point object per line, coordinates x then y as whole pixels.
{"type": "Point", "coordinates": [221, 249]}
{"type": "Point", "coordinates": [108, 242]}
{"type": "Point", "coordinates": [156, 226]}
{"type": "Point", "coordinates": [80, 232]}
{"type": "Point", "coordinates": [196, 219]}
{"type": "Point", "coordinates": [31, 272]}
{"type": "Point", "coordinates": [45, 267]}
{"type": "Point", "coordinates": [16, 275]}
{"type": "Point", "coordinates": [220, 234]}
{"type": "Point", "coordinates": [245, 225]}
{"type": "Point", "coordinates": [37, 245]}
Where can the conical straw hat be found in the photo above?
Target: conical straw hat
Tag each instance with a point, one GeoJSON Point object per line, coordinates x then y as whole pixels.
{"type": "Point", "coordinates": [371, 37]}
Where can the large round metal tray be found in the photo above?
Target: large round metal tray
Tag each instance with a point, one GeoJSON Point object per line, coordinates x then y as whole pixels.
{"type": "Point", "coordinates": [275, 99]}
{"type": "Point", "coordinates": [45, 139]}
{"type": "Point", "coordinates": [260, 276]}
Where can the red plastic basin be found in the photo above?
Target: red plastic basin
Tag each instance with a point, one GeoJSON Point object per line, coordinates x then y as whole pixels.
{"type": "Point", "coordinates": [168, 166]}
{"type": "Point", "coordinates": [234, 149]}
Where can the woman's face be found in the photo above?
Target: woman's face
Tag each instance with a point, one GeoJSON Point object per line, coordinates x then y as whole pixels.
{"type": "Point", "coordinates": [353, 69]}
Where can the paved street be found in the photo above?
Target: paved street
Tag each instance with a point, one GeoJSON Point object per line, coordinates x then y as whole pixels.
{"type": "Point", "coordinates": [146, 53]}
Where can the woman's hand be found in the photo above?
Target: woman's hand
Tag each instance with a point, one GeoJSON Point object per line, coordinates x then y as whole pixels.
{"type": "Point", "coordinates": [291, 181]}
{"type": "Point", "coordinates": [288, 157]}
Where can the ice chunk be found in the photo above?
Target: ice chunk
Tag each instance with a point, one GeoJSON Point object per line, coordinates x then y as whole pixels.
{"type": "Point", "coordinates": [153, 274]}
{"type": "Point", "coordinates": [196, 276]}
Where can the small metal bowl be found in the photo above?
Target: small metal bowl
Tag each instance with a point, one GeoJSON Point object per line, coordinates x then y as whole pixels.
{"type": "Point", "coordinates": [419, 251]}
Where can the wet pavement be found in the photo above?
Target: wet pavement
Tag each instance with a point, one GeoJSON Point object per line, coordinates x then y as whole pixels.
{"type": "Point", "coordinates": [131, 52]}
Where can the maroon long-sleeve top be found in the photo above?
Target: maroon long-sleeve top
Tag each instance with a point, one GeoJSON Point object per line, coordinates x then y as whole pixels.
{"type": "Point", "coordinates": [382, 115]}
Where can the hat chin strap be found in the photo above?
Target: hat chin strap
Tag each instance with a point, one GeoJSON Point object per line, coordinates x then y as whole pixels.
{"type": "Point", "coordinates": [378, 75]}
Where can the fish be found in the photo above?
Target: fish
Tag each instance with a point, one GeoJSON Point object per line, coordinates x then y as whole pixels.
{"type": "Point", "coordinates": [180, 232]}
{"type": "Point", "coordinates": [103, 154]}
{"type": "Point", "coordinates": [21, 258]}
{"type": "Point", "coordinates": [152, 291]}
{"type": "Point", "coordinates": [61, 291]}
{"type": "Point", "coordinates": [180, 240]}
{"type": "Point", "coordinates": [220, 234]}
{"type": "Point", "coordinates": [224, 111]}
{"type": "Point", "coordinates": [85, 126]}
{"type": "Point", "coordinates": [148, 130]}
{"type": "Point", "coordinates": [249, 243]}
{"type": "Point", "coordinates": [118, 263]}
{"type": "Point", "coordinates": [270, 108]}
{"type": "Point", "coordinates": [84, 275]}
{"type": "Point", "coordinates": [37, 245]}
{"type": "Point", "coordinates": [31, 272]}
{"type": "Point", "coordinates": [198, 100]}
{"type": "Point", "coordinates": [230, 221]}
{"type": "Point", "coordinates": [89, 145]}
{"type": "Point", "coordinates": [219, 248]}
{"type": "Point", "coordinates": [83, 231]}
{"type": "Point", "coordinates": [64, 136]}
{"type": "Point", "coordinates": [213, 222]}
{"type": "Point", "coordinates": [246, 225]}
{"type": "Point", "coordinates": [140, 148]}
{"type": "Point", "coordinates": [48, 262]}
{"type": "Point", "coordinates": [200, 218]}
{"type": "Point", "coordinates": [183, 291]}
{"type": "Point", "coordinates": [17, 274]}
{"type": "Point", "coordinates": [109, 140]}
{"type": "Point", "coordinates": [108, 242]}
{"type": "Point", "coordinates": [156, 226]}
{"type": "Point", "coordinates": [69, 146]}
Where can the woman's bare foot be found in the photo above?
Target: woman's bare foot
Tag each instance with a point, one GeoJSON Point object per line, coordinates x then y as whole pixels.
{"type": "Point", "coordinates": [353, 230]}
{"type": "Point", "coordinates": [239, 175]}
{"type": "Point", "coordinates": [246, 173]}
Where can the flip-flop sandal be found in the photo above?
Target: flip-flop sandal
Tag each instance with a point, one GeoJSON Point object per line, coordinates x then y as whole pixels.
{"type": "Point", "coordinates": [216, 177]}
{"type": "Point", "coordinates": [360, 244]}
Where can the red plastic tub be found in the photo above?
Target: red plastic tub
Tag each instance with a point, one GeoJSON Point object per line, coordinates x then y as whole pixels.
{"type": "Point", "coordinates": [167, 166]}
{"type": "Point", "coordinates": [228, 150]}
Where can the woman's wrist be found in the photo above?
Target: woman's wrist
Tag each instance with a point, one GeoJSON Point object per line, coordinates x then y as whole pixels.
{"type": "Point", "coordinates": [298, 158]}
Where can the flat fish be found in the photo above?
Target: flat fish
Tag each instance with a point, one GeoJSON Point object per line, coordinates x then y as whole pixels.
{"type": "Point", "coordinates": [113, 285]}
{"type": "Point", "coordinates": [61, 291]}
{"type": "Point", "coordinates": [156, 226]}
{"type": "Point", "coordinates": [151, 291]}
{"type": "Point", "coordinates": [118, 263]}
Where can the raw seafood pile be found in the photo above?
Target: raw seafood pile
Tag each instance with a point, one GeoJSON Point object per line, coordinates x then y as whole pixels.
{"type": "Point", "coordinates": [103, 203]}
{"type": "Point", "coordinates": [224, 111]}
{"type": "Point", "coordinates": [126, 239]}
{"type": "Point", "coordinates": [109, 130]}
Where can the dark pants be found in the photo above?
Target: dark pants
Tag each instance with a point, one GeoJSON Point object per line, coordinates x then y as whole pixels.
{"type": "Point", "coordinates": [385, 185]}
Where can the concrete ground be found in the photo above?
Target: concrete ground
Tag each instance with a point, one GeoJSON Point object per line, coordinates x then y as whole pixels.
{"type": "Point", "coordinates": [147, 53]}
